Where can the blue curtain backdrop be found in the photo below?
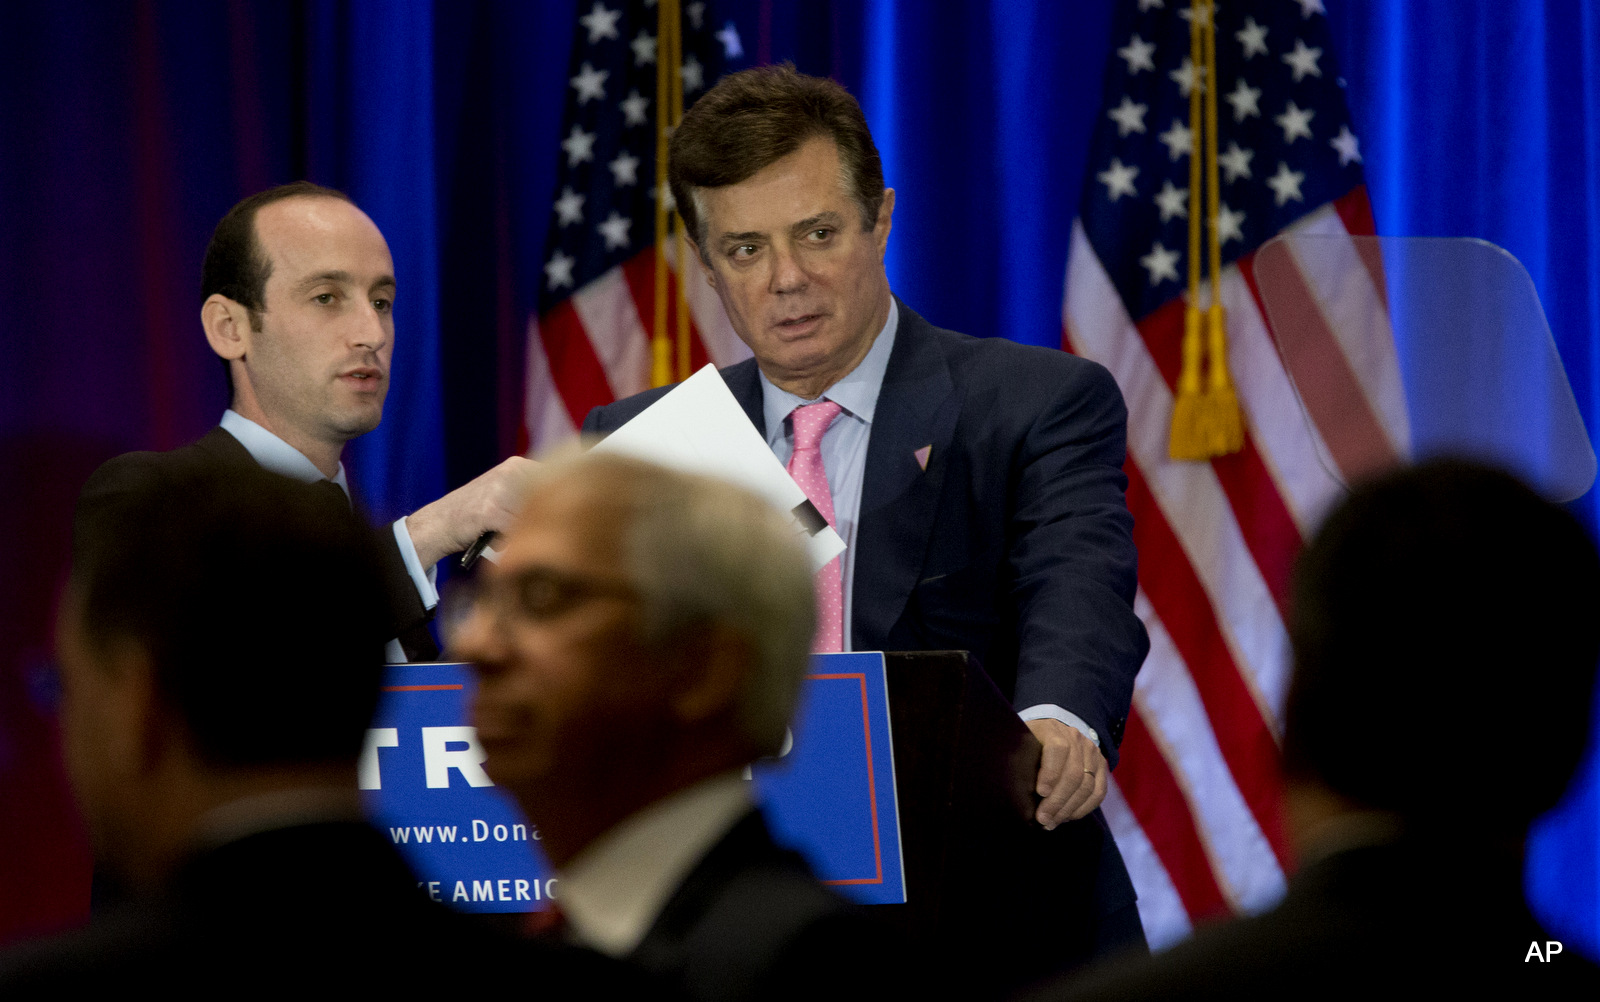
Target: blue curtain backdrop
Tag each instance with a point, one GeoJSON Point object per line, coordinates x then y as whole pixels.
{"type": "Point", "coordinates": [1481, 118]}
{"type": "Point", "coordinates": [127, 129]}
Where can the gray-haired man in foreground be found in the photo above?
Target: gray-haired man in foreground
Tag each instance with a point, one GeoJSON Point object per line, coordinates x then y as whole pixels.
{"type": "Point", "coordinates": [641, 639]}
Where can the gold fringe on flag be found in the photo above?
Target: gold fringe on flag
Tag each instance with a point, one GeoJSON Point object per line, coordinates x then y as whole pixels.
{"type": "Point", "coordinates": [669, 352]}
{"type": "Point", "coordinates": [1206, 421]}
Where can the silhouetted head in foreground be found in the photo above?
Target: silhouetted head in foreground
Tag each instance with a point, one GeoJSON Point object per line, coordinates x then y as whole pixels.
{"type": "Point", "coordinates": [1445, 636]}
{"type": "Point", "coordinates": [1445, 641]}
{"type": "Point", "coordinates": [228, 643]}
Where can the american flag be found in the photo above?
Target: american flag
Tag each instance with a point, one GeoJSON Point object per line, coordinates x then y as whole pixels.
{"type": "Point", "coordinates": [589, 343]}
{"type": "Point", "coordinates": [1195, 801]}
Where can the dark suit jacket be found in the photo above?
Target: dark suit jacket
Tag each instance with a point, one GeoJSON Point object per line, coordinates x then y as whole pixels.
{"type": "Point", "coordinates": [1015, 543]}
{"type": "Point", "coordinates": [323, 910]}
{"type": "Point", "coordinates": [136, 474]}
{"type": "Point", "coordinates": [1419, 918]}
{"type": "Point", "coordinates": [751, 922]}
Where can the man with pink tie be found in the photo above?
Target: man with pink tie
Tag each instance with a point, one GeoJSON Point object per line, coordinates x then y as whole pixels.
{"type": "Point", "coordinates": [977, 483]}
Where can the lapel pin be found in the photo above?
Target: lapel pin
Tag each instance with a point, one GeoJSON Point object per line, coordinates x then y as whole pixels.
{"type": "Point", "coordinates": [922, 455]}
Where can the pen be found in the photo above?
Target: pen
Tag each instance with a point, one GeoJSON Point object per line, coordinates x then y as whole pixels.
{"type": "Point", "coordinates": [476, 549]}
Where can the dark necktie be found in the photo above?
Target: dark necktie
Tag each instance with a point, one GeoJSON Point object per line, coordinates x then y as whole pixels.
{"type": "Point", "coordinates": [331, 495]}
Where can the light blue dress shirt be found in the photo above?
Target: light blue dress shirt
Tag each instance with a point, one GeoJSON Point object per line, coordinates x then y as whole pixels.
{"type": "Point", "coordinates": [274, 454]}
{"type": "Point", "coordinates": [844, 460]}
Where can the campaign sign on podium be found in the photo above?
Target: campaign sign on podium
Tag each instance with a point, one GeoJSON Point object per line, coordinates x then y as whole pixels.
{"type": "Point", "coordinates": [831, 796]}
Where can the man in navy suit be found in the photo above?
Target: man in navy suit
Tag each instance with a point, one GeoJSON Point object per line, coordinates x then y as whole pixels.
{"type": "Point", "coordinates": [977, 483]}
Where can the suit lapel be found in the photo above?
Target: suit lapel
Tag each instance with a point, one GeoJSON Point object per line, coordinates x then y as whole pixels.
{"type": "Point", "coordinates": [744, 380]}
{"type": "Point", "coordinates": [917, 409]}
{"type": "Point", "coordinates": [222, 447]}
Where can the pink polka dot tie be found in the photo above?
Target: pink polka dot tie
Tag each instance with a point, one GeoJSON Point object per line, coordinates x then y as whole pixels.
{"type": "Point", "coordinates": [805, 466]}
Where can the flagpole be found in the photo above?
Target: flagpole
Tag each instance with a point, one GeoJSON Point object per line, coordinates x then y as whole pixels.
{"type": "Point", "coordinates": [1184, 441]}
{"type": "Point", "coordinates": [661, 342]}
{"type": "Point", "coordinates": [1223, 426]}
{"type": "Point", "coordinates": [681, 257]}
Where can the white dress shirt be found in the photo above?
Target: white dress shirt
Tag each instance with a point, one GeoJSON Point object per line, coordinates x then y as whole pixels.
{"type": "Point", "coordinates": [844, 460]}
{"type": "Point", "coordinates": [274, 454]}
{"type": "Point", "coordinates": [612, 892]}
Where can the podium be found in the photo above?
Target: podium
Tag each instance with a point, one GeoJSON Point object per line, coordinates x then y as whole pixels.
{"type": "Point", "coordinates": [990, 895]}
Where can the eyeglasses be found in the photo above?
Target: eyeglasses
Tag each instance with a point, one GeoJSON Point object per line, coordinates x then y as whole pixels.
{"type": "Point", "coordinates": [535, 594]}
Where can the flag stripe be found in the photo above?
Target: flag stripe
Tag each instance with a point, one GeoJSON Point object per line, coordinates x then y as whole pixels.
{"type": "Point", "coordinates": [1191, 498]}
{"type": "Point", "coordinates": [1157, 802]}
{"type": "Point", "coordinates": [1337, 275]}
{"type": "Point", "coordinates": [545, 412]}
{"type": "Point", "coordinates": [1180, 601]}
{"type": "Point", "coordinates": [1161, 909]}
{"type": "Point", "coordinates": [1355, 211]}
{"type": "Point", "coordinates": [1334, 399]}
{"type": "Point", "coordinates": [1264, 522]}
{"type": "Point", "coordinates": [1248, 868]}
{"type": "Point", "coordinates": [1289, 444]}
{"type": "Point", "coordinates": [606, 309]}
{"type": "Point", "coordinates": [1289, 448]}
{"type": "Point", "coordinates": [574, 367]}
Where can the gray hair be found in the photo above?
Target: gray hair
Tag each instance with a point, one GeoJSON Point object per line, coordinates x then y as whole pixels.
{"type": "Point", "coordinates": [702, 552]}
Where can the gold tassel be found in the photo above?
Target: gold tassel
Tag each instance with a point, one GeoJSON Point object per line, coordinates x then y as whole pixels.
{"type": "Point", "coordinates": [1206, 423]}
{"type": "Point", "coordinates": [1185, 441]}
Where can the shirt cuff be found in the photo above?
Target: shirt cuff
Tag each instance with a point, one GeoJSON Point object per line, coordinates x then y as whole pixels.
{"type": "Point", "coordinates": [1051, 711]}
{"type": "Point", "coordinates": [424, 579]}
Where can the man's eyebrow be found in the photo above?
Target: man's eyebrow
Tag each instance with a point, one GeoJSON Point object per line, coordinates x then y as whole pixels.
{"type": "Point", "coordinates": [828, 218]}
{"type": "Point", "coordinates": [820, 219]}
{"type": "Point", "coordinates": [343, 278]}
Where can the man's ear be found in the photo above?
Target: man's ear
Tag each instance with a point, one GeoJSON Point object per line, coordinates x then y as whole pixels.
{"type": "Point", "coordinates": [720, 660]}
{"type": "Point", "coordinates": [880, 232]}
{"type": "Point", "coordinates": [227, 326]}
{"type": "Point", "coordinates": [137, 725]}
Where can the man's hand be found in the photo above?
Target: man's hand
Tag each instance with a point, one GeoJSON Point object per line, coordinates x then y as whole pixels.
{"type": "Point", "coordinates": [455, 521]}
{"type": "Point", "coordinates": [1072, 773]}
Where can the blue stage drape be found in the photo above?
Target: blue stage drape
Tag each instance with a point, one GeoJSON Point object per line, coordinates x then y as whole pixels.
{"type": "Point", "coordinates": [1482, 118]}
{"type": "Point", "coordinates": [127, 129]}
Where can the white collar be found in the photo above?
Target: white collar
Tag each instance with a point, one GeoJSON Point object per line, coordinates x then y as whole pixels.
{"type": "Point", "coordinates": [274, 454]}
{"type": "Point", "coordinates": [612, 892]}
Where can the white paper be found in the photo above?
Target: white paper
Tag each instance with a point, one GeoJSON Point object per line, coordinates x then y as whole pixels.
{"type": "Point", "coordinates": [700, 428]}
